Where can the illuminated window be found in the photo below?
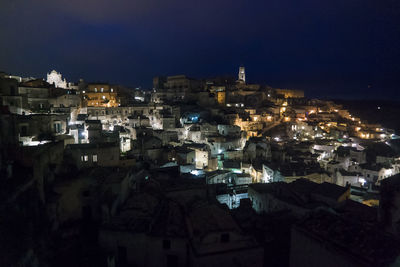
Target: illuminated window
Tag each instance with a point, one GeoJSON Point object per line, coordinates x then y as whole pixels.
{"type": "Point", "coordinates": [94, 158]}
{"type": "Point", "coordinates": [57, 127]}
{"type": "Point", "coordinates": [95, 89]}
{"type": "Point", "coordinates": [104, 97]}
{"type": "Point", "coordinates": [112, 90]}
{"type": "Point", "coordinates": [102, 89]}
{"type": "Point", "coordinates": [85, 158]}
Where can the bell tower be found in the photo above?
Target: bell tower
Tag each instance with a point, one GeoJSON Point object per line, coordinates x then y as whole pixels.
{"type": "Point", "coordinates": [242, 75]}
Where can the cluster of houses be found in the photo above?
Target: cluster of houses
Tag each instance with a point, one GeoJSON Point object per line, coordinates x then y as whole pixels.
{"type": "Point", "coordinates": [195, 172]}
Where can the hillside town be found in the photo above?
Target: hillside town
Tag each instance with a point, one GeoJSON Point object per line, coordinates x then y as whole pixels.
{"type": "Point", "coordinates": [192, 172]}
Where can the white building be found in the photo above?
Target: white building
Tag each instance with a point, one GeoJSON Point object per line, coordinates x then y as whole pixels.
{"type": "Point", "coordinates": [55, 78]}
{"type": "Point", "coordinates": [242, 75]}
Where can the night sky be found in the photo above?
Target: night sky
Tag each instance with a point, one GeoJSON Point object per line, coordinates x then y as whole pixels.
{"type": "Point", "coordinates": [341, 48]}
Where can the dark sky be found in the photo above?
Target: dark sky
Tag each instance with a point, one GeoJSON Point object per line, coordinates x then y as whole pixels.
{"type": "Point", "coordinates": [329, 48]}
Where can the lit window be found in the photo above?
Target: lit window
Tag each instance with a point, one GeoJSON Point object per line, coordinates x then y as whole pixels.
{"type": "Point", "coordinates": [112, 90]}
{"type": "Point", "coordinates": [102, 89]}
{"type": "Point", "coordinates": [104, 97]}
{"type": "Point", "coordinates": [85, 158]}
{"type": "Point", "coordinates": [94, 158]}
{"type": "Point", "coordinates": [95, 89]}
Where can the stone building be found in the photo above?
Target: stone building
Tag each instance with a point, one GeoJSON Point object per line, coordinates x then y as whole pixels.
{"type": "Point", "coordinates": [298, 197]}
{"type": "Point", "coordinates": [324, 238]}
{"type": "Point", "coordinates": [389, 205]}
{"type": "Point", "coordinates": [56, 79]}
{"type": "Point", "coordinates": [92, 155]}
{"type": "Point", "coordinates": [100, 95]}
{"type": "Point", "coordinates": [290, 93]}
{"type": "Point", "coordinates": [37, 93]}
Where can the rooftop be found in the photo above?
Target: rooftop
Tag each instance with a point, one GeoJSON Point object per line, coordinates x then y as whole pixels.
{"type": "Point", "coordinates": [210, 218]}
{"type": "Point", "coordinates": [301, 192]}
{"type": "Point", "coordinates": [391, 182]}
{"type": "Point", "coordinates": [367, 244]}
{"type": "Point", "coordinates": [330, 190]}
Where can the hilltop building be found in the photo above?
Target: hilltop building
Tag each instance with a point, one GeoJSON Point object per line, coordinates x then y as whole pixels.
{"type": "Point", "coordinates": [56, 79]}
{"type": "Point", "coordinates": [242, 75]}
{"type": "Point", "coordinates": [100, 95]}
